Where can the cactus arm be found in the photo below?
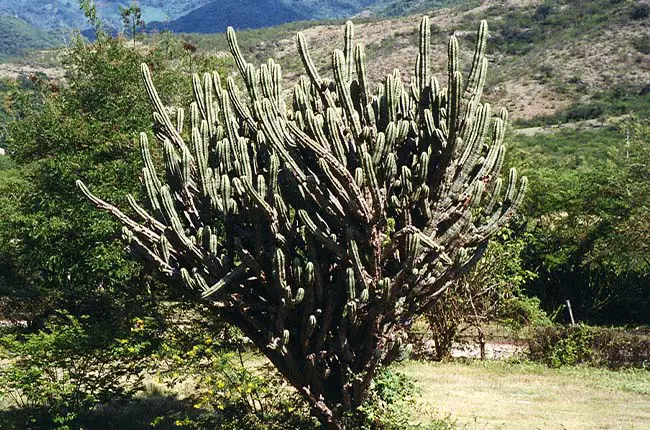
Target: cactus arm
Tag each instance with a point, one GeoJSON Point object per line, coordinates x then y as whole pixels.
{"type": "Point", "coordinates": [213, 290]}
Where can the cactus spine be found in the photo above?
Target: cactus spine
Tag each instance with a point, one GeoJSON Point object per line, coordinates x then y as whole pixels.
{"type": "Point", "coordinates": [320, 226]}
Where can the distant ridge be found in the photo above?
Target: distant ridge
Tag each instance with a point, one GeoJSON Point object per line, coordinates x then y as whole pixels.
{"type": "Point", "coordinates": [17, 37]}
{"type": "Point", "coordinates": [216, 16]}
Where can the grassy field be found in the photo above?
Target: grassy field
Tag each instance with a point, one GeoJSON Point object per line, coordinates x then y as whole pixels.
{"type": "Point", "coordinates": [502, 395]}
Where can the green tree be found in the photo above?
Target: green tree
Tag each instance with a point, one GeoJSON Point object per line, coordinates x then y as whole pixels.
{"type": "Point", "coordinates": [322, 230]}
{"type": "Point", "coordinates": [588, 234]}
{"type": "Point", "coordinates": [132, 18]}
{"type": "Point", "coordinates": [55, 250]}
{"type": "Point", "coordinates": [90, 10]}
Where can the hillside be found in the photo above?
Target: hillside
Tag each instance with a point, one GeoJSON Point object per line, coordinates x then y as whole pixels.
{"type": "Point", "coordinates": [18, 37]}
{"type": "Point", "coordinates": [216, 16]}
{"type": "Point", "coordinates": [545, 57]}
{"type": "Point", "coordinates": [183, 15]}
{"type": "Point", "coordinates": [66, 14]}
{"type": "Point", "coordinates": [558, 59]}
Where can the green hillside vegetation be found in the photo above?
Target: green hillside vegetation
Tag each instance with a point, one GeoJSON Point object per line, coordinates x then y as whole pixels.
{"type": "Point", "coordinates": [216, 16]}
{"type": "Point", "coordinates": [64, 15]}
{"type": "Point", "coordinates": [587, 213]}
{"type": "Point", "coordinates": [18, 37]}
{"type": "Point", "coordinates": [384, 8]}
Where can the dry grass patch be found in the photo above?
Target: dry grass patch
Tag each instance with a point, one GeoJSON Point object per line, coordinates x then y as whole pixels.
{"type": "Point", "coordinates": [498, 395]}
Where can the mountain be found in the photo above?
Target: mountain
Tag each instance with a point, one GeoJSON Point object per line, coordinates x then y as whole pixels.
{"type": "Point", "coordinates": [407, 7]}
{"type": "Point", "coordinates": [204, 16]}
{"type": "Point", "coordinates": [544, 58]}
{"type": "Point", "coordinates": [18, 37]}
{"type": "Point", "coordinates": [66, 14]}
{"type": "Point", "coordinates": [216, 16]}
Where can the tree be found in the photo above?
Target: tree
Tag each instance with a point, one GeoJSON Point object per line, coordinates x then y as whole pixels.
{"type": "Point", "coordinates": [132, 18]}
{"type": "Point", "coordinates": [322, 230]}
{"type": "Point", "coordinates": [589, 238]}
{"type": "Point", "coordinates": [55, 251]}
{"type": "Point", "coordinates": [90, 11]}
{"type": "Point", "coordinates": [491, 291]}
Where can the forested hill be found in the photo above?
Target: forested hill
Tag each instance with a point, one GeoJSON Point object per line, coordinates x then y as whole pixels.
{"type": "Point", "coordinates": [67, 14]}
{"type": "Point", "coordinates": [185, 15]}
{"type": "Point", "coordinates": [216, 16]}
{"type": "Point", "coordinates": [205, 16]}
{"type": "Point", "coordinates": [17, 37]}
{"type": "Point", "coordinates": [30, 24]}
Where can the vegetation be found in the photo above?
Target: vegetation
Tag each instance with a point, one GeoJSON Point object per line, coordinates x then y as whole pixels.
{"type": "Point", "coordinates": [211, 18]}
{"type": "Point", "coordinates": [17, 37]}
{"type": "Point", "coordinates": [63, 371]}
{"type": "Point", "coordinates": [587, 243]}
{"type": "Point", "coordinates": [93, 340]}
{"type": "Point", "coordinates": [604, 347]}
{"type": "Point", "coordinates": [400, 8]}
{"type": "Point", "coordinates": [492, 291]}
{"type": "Point", "coordinates": [132, 19]}
{"type": "Point", "coordinates": [523, 29]}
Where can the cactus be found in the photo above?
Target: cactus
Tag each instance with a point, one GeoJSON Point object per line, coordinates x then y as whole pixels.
{"type": "Point", "coordinates": [322, 225]}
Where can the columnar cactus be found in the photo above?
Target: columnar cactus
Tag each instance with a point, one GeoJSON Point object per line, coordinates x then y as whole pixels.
{"type": "Point", "coordinates": [322, 225]}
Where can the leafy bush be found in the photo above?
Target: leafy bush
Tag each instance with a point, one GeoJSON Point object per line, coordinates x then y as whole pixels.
{"type": "Point", "coordinates": [390, 405]}
{"type": "Point", "coordinates": [597, 346]}
{"type": "Point", "coordinates": [491, 291]}
{"type": "Point", "coordinates": [64, 370]}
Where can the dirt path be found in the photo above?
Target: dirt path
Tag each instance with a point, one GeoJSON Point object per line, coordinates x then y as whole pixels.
{"type": "Point", "coordinates": [12, 70]}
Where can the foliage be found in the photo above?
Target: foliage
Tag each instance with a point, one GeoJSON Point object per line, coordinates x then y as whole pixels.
{"type": "Point", "coordinates": [18, 97]}
{"type": "Point", "coordinates": [596, 346]}
{"type": "Point", "coordinates": [491, 291]}
{"type": "Point", "coordinates": [587, 235]}
{"type": "Point", "coordinates": [89, 9]}
{"type": "Point", "coordinates": [390, 405]}
{"type": "Point", "coordinates": [55, 253]}
{"type": "Point", "coordinates": [132, 18]}
{"type": "Point", "coordinates": [241, 14]}
{"type": "Point", "coordinates": [525, 29]}
{"type": "Point", "coordinates": [68, 367]}
{"type": "Point", "coordinates": [640, 11]}
{"type": "Point", "coordinates": [402, 8]}
{"type": "Point", "coordinates": [642, 45]}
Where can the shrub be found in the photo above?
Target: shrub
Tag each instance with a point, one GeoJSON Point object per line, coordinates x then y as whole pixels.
{"type": "Point", "coordinates": [642, 44]}
{"type": "Point", "coordinates": [491, 291]}
{"type": "Point", "coordinates": [596, 346]}
{"type": "Point", "coordinates": [640, 11]}
{"type": "Point", "coordinates": [67, 368]}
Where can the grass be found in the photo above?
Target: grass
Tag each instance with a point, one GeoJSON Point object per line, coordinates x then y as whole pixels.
{"type": "Point", "coordinates": [523, 395]}
{"type": "Point", "coordinates": [504, 395]}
